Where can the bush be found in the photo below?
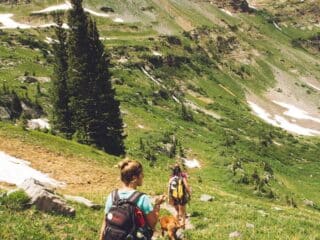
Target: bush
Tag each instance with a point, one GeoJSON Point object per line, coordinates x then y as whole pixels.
{"type": "Point", "coordinates": [173, 40]}
{"type": "Point", "coordinates": [186, 114]}
{"type": "Point", "coordinates": [16, 201]}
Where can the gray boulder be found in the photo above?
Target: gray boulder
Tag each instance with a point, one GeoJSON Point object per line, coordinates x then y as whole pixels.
{"type": "Point", "coordinates": [249, 225]}
{"type": "Point", "coordinates": [206, 198]}
{"type": "Point", "coordinates": [308, 203]}
{"type": "Point", "coordinates": [83, 201]}
{"type": "Point", "coordinates": [44, 198]}
{"type": "Point", "coordinates": [28, 79]}
{"type": "Point", "coordinates": [235, 234]}
{"type": "Point", "coordinates": [34, 79]}
{"type": "Point", "coordinates": [4, 114]}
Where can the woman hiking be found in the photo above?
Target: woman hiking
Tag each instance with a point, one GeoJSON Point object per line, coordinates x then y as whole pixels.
{"type": "Point", "coordinates": [129, 213]}
{"type": "Point", "coordinates": [179, 193]}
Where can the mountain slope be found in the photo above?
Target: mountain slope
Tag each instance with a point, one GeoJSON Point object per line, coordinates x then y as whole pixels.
{"type": "Point", "coordinates": [211, 58]}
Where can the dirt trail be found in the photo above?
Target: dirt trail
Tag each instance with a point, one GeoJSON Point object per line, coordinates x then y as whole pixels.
{"type": "Point", "coordinates": [172, 211]}
{"type": "Point", "coordinates": [81, 175]}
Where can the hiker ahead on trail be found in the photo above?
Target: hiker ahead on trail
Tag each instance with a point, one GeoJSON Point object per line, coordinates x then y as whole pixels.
{"type": "Point", "coordinates": [129, 213]}
{"type": "Point", "coordinates": [179, 193]}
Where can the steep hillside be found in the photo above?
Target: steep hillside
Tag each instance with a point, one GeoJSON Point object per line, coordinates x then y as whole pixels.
{"type": "Point", "coordinates": [234, 85]}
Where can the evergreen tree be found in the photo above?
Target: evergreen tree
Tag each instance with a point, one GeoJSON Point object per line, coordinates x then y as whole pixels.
{"type": "Point", "coordinates": [105, 125]}
{"type": "Point", "coordinates": [78, 70]}
{"type": "Point", "coordinates": [95, 112]}
{"type": "Point", "coordinates": [15, 106]}
{"type": "Point", "coordinates": [60, 96]}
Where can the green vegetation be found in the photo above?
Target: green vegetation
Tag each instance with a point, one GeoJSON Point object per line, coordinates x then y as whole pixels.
{"type": "Point", "coordinates": [84, 104]}
{"type": "Point", "coordinates": [14, 201]}
{"type": "Point", "coordinates": [181, 95]}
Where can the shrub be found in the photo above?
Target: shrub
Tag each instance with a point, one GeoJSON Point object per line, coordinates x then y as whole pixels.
{"type": "Point", "coordinates": [267, 167]}
{"type": "Point", "coordinates": [15, 201]}
{"type": "Point", "coordinates": [173, 40]}
{"type": "Point", "coordinates": [186, 113]}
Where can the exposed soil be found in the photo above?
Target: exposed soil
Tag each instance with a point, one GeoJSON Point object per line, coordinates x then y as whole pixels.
{"type": "Point", "coordinates": [82, 176]}
{"type": "Point", "coordinates": [293, 90]}
{"type": "Point", "coordinates": [184, 23]}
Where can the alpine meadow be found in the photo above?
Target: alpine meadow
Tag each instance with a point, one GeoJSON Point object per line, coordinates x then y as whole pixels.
{"type": "Point", "coordinates": [228, 89]}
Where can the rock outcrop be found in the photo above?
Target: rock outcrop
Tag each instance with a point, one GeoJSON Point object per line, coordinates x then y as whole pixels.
{"type": "Point", "coordinates": [83, 201]}
{"type": "Point", "coordinates": [44, 198]}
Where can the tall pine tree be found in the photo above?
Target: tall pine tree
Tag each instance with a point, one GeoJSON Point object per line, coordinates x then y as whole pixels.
{"type": "Point", "coordinates": [106, 125]}
{"type": "Point", "coordinates": [60, 96]}
{"type": "Point", "coordinates": [96, 116]}
{"type": "Point", "coordinates": [78, 70]}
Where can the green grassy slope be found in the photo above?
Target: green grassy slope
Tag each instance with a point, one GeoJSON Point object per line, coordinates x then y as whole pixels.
{"type": "Point", "coordinates": [194, 66]}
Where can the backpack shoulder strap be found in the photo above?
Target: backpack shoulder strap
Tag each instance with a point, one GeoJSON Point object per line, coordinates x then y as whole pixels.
{"type": "Point", "coordinates": [115, 197]}
{"type": "Point", "coordinates": [135, 197]}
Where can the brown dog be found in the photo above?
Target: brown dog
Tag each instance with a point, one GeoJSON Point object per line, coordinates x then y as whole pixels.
{"type": "Point", "coordinates": [171, 225]}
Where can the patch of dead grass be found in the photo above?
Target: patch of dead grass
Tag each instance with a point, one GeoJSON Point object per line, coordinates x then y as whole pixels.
{"type": "Point", "coordinates": [80, 174]}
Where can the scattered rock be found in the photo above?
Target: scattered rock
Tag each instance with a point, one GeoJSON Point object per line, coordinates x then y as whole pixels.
{"type": "Point", "coordinates": [263, 213]}
{"type": "Point", "coordinates": [308, 203]}
{"type": "Point", "coordinates": [107, 9]}
{"type": "Point", "coordinates": [31, 109]}
{"type": "Point", "coordinates": [180, 234]}
{"type": "Point", "coordinates": [33, 79]}
{"type": "Point", "coordinates": [43, 79]}
{"type": "Point", "coordinates": [4, 114]}
{"type": "Point", "coordinates": [28, 79]}
{"type": "Point", "coordinates": [206, 198]}
{"type": "Point", "coordinates": [235, 234]}
{"type": "Point", "coordinates": [277, 208]}
{"type": "Point", "coordinates": [191, 163]}
{"type": "Point", "coordinates": [249, 225]}
{"type": "Point", "coordinates": [123, 60]}
{"type": "Point", "coordinates": [118, 81]}
{"type": "Point", "coordinates": [83, 201]}
{"type": "Point", "coordinates": [44, 198]}
{"type": "Point", "coordinates": [38, 124]}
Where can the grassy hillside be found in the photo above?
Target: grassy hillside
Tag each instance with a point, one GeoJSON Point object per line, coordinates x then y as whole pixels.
{"type": "Point", "coordinates": [166, 53]}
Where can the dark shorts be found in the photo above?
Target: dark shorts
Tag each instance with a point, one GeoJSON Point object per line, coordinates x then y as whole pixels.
{"type": "Point", "coordinates": [182, 201]}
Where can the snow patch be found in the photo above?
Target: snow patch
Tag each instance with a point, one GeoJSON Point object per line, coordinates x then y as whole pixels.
{"type": "Point", "coordinates": [96, 13]}
{"type": "Point", "coordinates": [155, 53]}
{"type": "Point", "coordinates": [291, 127]}
{"type": "Point", "coordinates": [295, 112]}
{"type": "Point", "coordinates": [15, 171]}
{"type": "Point", "coordinates": [262, 113]}
{"type": "Point", "coordinates": [123, 60]}
{"type": "Point", "coordinates": [175, 99]}
{"type": "Point", "coordinates": [67, 6]}
{"type": "Point", "coordinates": [47, 25]}
{"type": "Point", "coordinates": [118, 20]}
{"type": "Point", "coordinates": [150, 77]}
{"type": "Point", "coordinates": [191, 163]}
{"type": "Point", "coordinates": [8, 23]}
{"type": "Point", "coordinates": [280, 121]}
{"type": "Point", "coordinates": [252, 7]}
{"type": "Point", "coordinates": [313, 86]}
{"type": "Point", "coordinates": [226, 11]}
{"type": "Point", "coordinates": [40, 123]}
{"type": "Point", "coordinates": [277, 26]}
{"type": "Point", "coordinates": [60, 7]}
{"type": "Point", "coordinates": [49, 40]}
{"type": "Point", "coordinates": [106, 38]}
{"type": "Point", "coordinates": [276, 143]}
